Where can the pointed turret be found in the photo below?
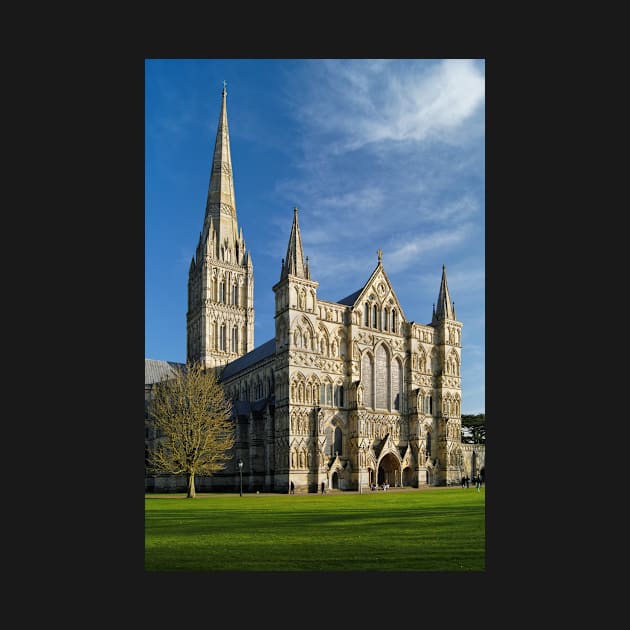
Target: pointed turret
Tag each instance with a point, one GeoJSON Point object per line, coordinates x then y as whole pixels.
{"type": "Point", "coordinates": [221, 203]}
{"type": "Point", "coordinates": [294, 261]}
{"type": "Point", "coordinates": [445, 309]}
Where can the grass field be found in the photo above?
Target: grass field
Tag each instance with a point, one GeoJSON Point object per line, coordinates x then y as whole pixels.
{"type": "Point", "coordinates": [435, 529]}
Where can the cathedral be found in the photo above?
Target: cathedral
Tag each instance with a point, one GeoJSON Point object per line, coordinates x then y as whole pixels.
{"type": "Point", "coordinates": [349, 394]}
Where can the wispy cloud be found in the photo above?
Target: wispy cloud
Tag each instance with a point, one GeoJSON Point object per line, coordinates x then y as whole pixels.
{"type": "Point", "coordinates": [361, 102]}
{"type": "Point", "coordinates": [390, 156]}
{"type": "Point", "coordinates": [409, 252]}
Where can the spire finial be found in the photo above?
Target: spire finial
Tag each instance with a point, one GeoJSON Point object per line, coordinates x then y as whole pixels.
{"type": "Point", "coordinates": [295, 211]}
{"type": "Point", "coordinates": [379, 253]}
{"type": "Point", "coordinates": [224, 87]}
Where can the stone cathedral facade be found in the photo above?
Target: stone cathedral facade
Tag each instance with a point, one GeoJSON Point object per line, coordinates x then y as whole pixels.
{"type": "Point", "coordinates": [347, 393]}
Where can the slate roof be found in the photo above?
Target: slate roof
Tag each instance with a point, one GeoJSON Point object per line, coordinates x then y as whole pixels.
{"type": "Point", "coordinates": [245, 407]}
{"type": "Point", "coordinates": [349, 300]}
{"type": "Point", "coordinates": [155, 371]}
{"type": "Point", "coordinates": [247, 360]}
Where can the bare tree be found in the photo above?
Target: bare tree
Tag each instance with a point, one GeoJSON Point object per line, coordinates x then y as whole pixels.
{"type": "Point", "coordinates": [191, 415]}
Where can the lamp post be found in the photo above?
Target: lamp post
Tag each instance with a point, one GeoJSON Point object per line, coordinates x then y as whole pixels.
{"type": "Point", "coordinates": [240, 470]}
{"type": "Point", "coordinates": [361, 447]}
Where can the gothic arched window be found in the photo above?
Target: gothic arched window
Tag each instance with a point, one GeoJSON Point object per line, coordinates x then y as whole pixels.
{"type": "Point", "coordinates": [222, 338]}
{"type": "Point", "coordinates": [338, 401]}
{"type": "Point", "coordinates": [397, 380]}
{"type": "Point", "coordinates": [367, 379]}
{"type": "Point", "coordinates": [383, 378]}
{"type": "Point", "coordinates": [234, 339]}
{"type": "Point", "coordinates": [337, 448]}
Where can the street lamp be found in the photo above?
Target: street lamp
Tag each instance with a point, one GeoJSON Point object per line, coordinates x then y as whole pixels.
{"type": "Point", "coordinates": [240, 470]}
{"type": "Point", "coordinates": [361, 447]}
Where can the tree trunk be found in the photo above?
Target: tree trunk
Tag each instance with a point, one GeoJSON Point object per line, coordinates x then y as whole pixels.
{"type": "Point", "coordinates": [191, 486]}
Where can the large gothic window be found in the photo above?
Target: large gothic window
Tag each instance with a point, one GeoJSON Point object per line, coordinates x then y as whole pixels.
{"type": "Point", "coordinates": [397, 379]}
{"type": "Point", "coordinates": [366, 318]}
{"type": "Point", "coordinates": [374, 316]}
{"type": "Point", "coordinates": [383, 383]}
{"type": "Point", "coordinates": [367, 378]}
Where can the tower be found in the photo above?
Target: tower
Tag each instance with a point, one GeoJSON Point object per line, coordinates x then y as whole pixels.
{"type": "Point", "coordinates": [220, 316]}
{"type": "Point", "coordinates": [296, 341]}
{"type": "Point", "coordinates": [446, 362]}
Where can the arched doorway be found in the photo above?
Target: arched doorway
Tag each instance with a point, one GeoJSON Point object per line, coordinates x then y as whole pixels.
{"type": "Point", "coordinates": [388, 470]}
{"type": "Point", "coordinates": [407, 476]}
{"type": "Point", "coordinates": [335, 480]}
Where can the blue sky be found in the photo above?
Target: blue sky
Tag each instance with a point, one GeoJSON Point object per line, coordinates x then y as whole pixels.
{"type": "Point", "coordinates": [385, 154]}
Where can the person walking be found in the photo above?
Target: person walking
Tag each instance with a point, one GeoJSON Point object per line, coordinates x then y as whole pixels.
{"type": "Point", "coordinates": [478, 483]}
{"type": "Point", "coordinates": [323, 488]}
{"type": "Point", "coordinates": [292, 490]}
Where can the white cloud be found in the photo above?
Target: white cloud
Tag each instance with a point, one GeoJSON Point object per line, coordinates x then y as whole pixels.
{"type": "Point", "coordinates": [361, 102]}
{"type": "Point", "coordinates": [412, 249]}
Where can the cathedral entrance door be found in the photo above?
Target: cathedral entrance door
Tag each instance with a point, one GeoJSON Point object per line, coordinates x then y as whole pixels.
{"type": "Point", "coordinates": [335, 480]}
{"type": "Point", "coordinates": [387, 470]}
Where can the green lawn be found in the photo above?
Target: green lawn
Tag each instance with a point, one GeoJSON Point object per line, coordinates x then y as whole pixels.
{"type": "Point", "coordinates": [435, 529]}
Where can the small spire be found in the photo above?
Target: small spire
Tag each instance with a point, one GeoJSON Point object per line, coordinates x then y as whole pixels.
{"type": "Point", "coordinates": [379, 253]}
{"type": "Point", "coordinates": [294, 260]}
{"type": "Point", "coordinates": [445, 306]}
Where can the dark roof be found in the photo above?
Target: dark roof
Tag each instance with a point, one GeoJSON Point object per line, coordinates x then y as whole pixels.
{"type": "Point", "coordinates": [349, 300]}
{"type": "Point", "coordinates": [155, 371]}
{"type": "Point", "coordinates": [247, 360]}
{"type": "Point", "coordinates": [245, 407]}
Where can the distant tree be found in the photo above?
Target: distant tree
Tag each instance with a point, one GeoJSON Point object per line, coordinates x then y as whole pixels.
{"type": "Point", "coordinates": [191, 415]}
{"type": "Point", "coordinates": [474, 428]}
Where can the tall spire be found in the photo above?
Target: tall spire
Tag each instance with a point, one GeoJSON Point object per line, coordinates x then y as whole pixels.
{"type": "Point", "coordinates": [445, 309]}
{"type": "Point", "coordinates": [294, 261]}
{"type": "Point", "coordinates": [221, 204]}
{"type": "Point", "coordinates": [220, 317]}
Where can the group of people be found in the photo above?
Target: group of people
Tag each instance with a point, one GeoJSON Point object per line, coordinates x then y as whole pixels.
{"type": "Point", "coordinates": [384, 486]}
{"type": "Point", "coordinates": [292, 488]}
{"type": "Point", "coordinates": [477, 480]}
